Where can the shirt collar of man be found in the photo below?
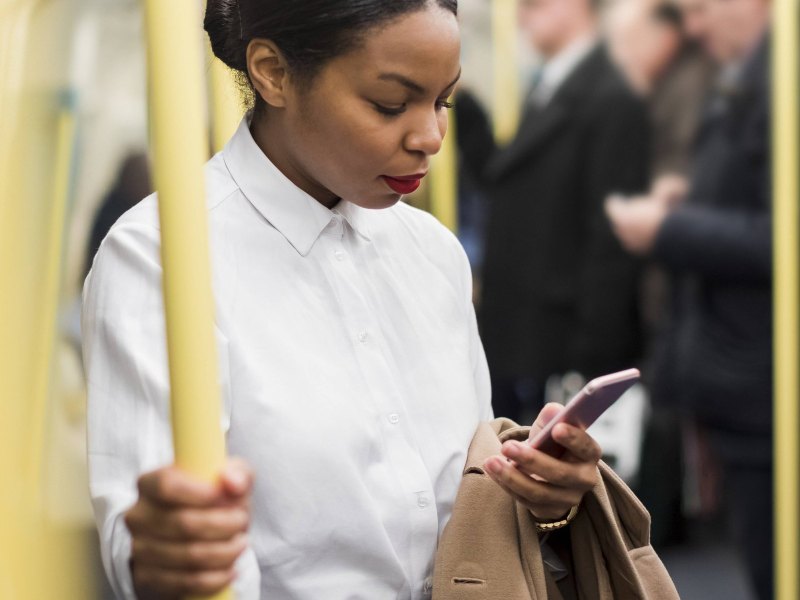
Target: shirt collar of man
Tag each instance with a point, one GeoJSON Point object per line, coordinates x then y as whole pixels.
{"type": "Point", "coordinates": [294, 213]}
{"type": "Point", "coordinates": [557, 69]}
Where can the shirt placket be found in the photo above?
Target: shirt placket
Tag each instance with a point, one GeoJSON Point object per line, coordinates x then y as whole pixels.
{"type": "Point", "coordinates": [403, 456]}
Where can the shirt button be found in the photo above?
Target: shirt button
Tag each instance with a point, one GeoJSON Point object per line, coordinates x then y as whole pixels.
{"type": "Point", "coordinates": [427, 585]}
{"type": "Point", "coordinates": [394, 418]}
{"type": "Point", "coordinates": [362, 337]}
{"type": "Point", "coordinates": [340, 255]}
{"type": "Point", "coordinates": [423, 502]}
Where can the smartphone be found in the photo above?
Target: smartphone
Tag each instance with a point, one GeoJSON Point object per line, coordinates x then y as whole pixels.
{"type": "Point", "coordinates": [586, 407]}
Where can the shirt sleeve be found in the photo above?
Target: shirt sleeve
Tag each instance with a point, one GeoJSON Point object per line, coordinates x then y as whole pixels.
{"type": "Point", "coordinates": [720, 244]}
{"type": "Point", "coordinates": [480, 367]}
{"type": "Point", "coordinates": [125, 358]}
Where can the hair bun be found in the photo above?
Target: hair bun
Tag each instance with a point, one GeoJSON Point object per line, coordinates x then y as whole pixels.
{"type": "Point", "coordinates": [223, 24]}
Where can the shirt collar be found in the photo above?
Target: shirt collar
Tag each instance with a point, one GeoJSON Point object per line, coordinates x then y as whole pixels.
{"type": "Point", "coordinates": [294, 213]}
{"type": "Point", "coordinates": [558, 69]}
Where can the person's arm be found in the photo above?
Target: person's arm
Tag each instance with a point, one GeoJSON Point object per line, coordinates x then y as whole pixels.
{"type": "Point", "coordinates": [717, 243]}
{"type": "Point", "coordinates": [128, 413]}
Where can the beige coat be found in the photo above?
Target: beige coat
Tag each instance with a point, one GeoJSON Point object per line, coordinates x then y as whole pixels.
{"type": "Point", "coordinates": [490, 548]}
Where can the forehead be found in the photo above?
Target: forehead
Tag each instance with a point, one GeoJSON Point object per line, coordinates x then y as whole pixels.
{"type": "Point", "coordinates": [424, 46]}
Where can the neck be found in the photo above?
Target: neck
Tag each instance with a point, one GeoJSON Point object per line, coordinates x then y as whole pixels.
{"type": "Point", "coordinates": [270, 135]}
{"type": "Point", "coordinates": [580, 29]}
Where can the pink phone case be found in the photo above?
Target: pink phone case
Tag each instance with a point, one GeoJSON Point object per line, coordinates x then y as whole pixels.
{"type": "Point", "coordinates": [585, 408]}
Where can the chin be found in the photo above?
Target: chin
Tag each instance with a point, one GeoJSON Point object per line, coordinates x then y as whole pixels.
{"type": "Point", "coordinates": [379, 202]}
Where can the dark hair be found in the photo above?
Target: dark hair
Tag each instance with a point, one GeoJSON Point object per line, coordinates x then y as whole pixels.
{"type": "Point", "coordinates": [308, 32]}
{"type": "Point", "coordinates": [668, 14]}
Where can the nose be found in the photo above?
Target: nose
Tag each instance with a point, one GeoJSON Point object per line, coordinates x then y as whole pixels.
{"type": "Point", "coordinates": [427, 133]}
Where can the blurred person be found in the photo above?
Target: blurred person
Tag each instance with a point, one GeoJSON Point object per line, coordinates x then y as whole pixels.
{"type": "Point", "coordinates": [132, 183]}
{"type": "Point", "coordinates": [352, 375]}
{"type": "Point", "coordinates": [716, 355]}
{"type": "Point", "coordinates": [649, 41]}
{"type": "Point", "coordinates": [559, 293]}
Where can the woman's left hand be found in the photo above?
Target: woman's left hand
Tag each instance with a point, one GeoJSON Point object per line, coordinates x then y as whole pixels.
{"type": "Point", "coordinates": [549, 487]}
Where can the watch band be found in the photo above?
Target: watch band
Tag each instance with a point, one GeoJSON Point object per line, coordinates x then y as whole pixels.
{"type": "Point", "coordinates": [554, 525]}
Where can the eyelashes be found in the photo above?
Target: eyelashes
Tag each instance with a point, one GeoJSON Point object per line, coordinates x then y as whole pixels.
{"type": "Point", "coordinates": [390, 111]}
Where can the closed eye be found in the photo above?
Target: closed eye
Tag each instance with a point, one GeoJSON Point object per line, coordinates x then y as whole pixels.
{"type": "Point", "coordinates": [389, 111]}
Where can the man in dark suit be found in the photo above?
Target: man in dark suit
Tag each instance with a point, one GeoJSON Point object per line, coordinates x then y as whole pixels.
{"type": "Point", "coordinates": [559, 293]}
{"type": "Point", "coordinates": [716, 356]}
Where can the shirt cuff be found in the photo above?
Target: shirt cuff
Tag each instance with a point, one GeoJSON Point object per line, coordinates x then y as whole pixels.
{"type": "Point", "coordinates": [248, 580]}
{"type": "Point", "coordinates": [120, 575]}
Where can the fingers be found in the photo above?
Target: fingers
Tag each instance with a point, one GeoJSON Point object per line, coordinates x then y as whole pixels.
{"type": "Point", "coordinates": [534, 463]}
{"type": "Point", "coordinates": [154, 582]}
{"type": "Point", "coordinates": [544, 500]}
{"type": "Point", "coordinates": [190, 524]}
{"type": "Point", "coordinates": [237, 478]}
{"type": "Point", "coordinates": [188, 534]}
{"type": "Point", "coordinates": [548, 486]}
{"type": "Point", "coordinates": [578, 443]}
{"type": "Point", "coordinates": [206, 556]}
{"type": "Point", "coordinates": [547, 414]}
{"type": "Point", "coordinates": [172, 487]}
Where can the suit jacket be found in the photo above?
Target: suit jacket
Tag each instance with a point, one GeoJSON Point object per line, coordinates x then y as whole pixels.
{"type": "Point", "coordinates": [490, 549]}
{"type": "Point", "coordinates": [717, 356]}
{"type": "Point", "coordinates": [559, 293]}
{"type": "Point", "coordinates": [675, 107]}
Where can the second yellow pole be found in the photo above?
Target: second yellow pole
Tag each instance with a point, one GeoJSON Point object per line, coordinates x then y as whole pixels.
{"type": "Point", "coordinates": [786, 224]}
{"type": "Point", "coordinates": [505, 42]}
{"type": "Point", "coordinates": [444, 181]}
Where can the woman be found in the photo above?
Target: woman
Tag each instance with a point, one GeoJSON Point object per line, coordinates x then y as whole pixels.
{"type": "Point", "coordinates": [346, 334]}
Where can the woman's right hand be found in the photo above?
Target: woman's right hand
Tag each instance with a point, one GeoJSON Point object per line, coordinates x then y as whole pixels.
{"type": "Point", "coordinates": [187, 535]}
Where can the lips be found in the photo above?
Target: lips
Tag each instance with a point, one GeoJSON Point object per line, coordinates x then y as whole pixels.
{"type": "Point", "coordinates": [404, 185]}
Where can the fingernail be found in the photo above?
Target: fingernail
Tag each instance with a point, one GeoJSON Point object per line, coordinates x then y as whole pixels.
{"type": "Point", "coordinates": [494, 466]}
{"type": "Point", "coordinates": [511, 449]}
{"type": "Point", "coordinates": [237, 478]}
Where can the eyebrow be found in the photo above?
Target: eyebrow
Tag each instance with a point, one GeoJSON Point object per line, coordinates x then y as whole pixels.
{"type": "Point", "coordinates": [412, 85]}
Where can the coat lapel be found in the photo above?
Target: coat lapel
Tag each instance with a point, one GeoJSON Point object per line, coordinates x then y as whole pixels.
{"type": "Point", "coordinates": [538, 126]}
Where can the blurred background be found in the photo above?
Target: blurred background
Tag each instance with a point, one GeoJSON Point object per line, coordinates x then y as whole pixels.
{"type": "Point", "coordinates": [608, 172]}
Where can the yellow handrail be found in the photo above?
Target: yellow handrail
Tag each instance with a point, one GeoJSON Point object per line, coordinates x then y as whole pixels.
{"type": "Point", "coordinates": [444, 181]}
{"type": "Point", "coordinates": [16, 518]}
{"type": "Point", "coordinates": [785, 56]}
{"type": "Point", "coordinates": [179, 142]}
{"type": "Point", "coordinates": [506, 99]}
{"type": "Point", "coordinates": [51, 281]}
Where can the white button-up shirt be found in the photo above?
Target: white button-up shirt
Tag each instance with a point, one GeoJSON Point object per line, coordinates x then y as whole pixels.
{"type": "Point", "coordinates": [352, 374]}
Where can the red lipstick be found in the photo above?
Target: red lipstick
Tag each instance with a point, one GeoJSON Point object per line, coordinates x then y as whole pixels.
{"type": "Point", "coordinates": [404, 185]}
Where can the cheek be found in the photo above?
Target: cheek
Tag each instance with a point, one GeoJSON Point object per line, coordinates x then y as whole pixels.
{"type": "Point", "coordinates": [361, 142]}
{"type": "Point", "coordinates": [348, 147]}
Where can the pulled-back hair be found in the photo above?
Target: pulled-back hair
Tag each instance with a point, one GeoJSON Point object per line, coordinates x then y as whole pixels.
{"type": "Point", "coordinates": [308, 32]}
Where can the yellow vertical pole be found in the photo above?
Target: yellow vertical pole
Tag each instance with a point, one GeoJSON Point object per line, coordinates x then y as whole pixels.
{"type": "Point", "coordinates": [226, 106]}
{"type": "Point", "coordinates": [42, 375]}
{"type": "Point", "coordinates": [20, 531]}
{"type": "Point", "coordinates": [786, 222]}
{"type": "Point", "coordinates": [506, 99]}
{"type": "Point", "coordinates": [444, 181]}
{"type": "Point", "coordinates": [179, 142]}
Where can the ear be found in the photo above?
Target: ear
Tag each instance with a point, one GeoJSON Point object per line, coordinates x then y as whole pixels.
{"type": "Point", "coordinates": [268, 71]}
